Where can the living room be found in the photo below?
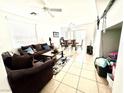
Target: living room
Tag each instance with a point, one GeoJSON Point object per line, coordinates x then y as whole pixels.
{"type": "Point", "coordinates": [26, 22]}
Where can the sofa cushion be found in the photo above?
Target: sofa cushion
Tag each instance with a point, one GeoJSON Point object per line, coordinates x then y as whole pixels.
{"type": "Point", "coordinates": [22, 52]}
{"type": "Point", "coordinates": [25, 47]}
{"type": "Point", "coordinates": [21, 61]}
{"type": "Point", "coordinates": [45, 46]}
{"type": "Point", "coordinates": [29, 50]}
{"type": "Point", "coordinates": [37, 47]}
{"type": "Point", "coordinates": [26, 50]}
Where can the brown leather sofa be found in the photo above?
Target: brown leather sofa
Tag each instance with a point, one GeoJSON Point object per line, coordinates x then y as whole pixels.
{"type": "Point", "coordinates": [30, 80]}
{"type": "Point", "coordinates": [38, 50]}
{"type": "Point", "coordinates": [26, 75]}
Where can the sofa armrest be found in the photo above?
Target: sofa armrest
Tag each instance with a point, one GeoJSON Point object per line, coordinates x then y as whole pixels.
{"type": "Point", "coordinates": [21, 73]}
{"type": "Point", "coordinates": [30, 80]}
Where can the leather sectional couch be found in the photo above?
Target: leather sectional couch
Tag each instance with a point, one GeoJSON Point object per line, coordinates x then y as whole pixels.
{"type": "Point", "coordinates": [38, 50]}
{"type": "Point", "coordinates": [28, 73]}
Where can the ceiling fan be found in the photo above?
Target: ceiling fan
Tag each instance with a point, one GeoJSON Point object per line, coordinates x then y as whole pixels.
{"type": "Point", "coordinates": [52, 9]}
{"type": "Point", "coordinates": [49, 10]}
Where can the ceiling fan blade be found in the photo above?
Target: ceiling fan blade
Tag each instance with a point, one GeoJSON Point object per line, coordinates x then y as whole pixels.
{"type": "Point", "coordinates": [50, 14]}
{"type": "Point", "coordinates": [55, 9]}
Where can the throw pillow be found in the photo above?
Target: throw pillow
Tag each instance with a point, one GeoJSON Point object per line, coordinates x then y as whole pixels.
{"type": "Point", "coordinates": [25, 47]}
{"type": "Point", "coordinates": [29, 50]}
{"type": "Point", "coordinates": [21, 62]}
{"type": "Point", "coordinates": [11, 53]}
{"type": "Point", "coordinates": [46, 46]}
{"type": "Point", "coordinates": [38, 47]}
{"type": "Point", "coordinates": [22, 52]}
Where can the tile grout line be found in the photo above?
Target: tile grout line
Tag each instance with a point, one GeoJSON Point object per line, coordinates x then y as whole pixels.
{"type": "Point", "coordinates": [72, 74]}
{"type": "Point", "coordinates": [85, 78]}
{"type": "Point", "coordinates": [89, 79]}
{"type": "Point", "coordinates": [88, 69]}
{"type": "Point", "coordinates": [66, 72]}
{"type": "Point", "coordinates": [60, 83]}
{"type": "Point", "coordinates": [96, 81]}
{"type": "Point", "coordinates": [62, 79]}
{"type": "Point", "coordinates": [79, 77]}
{"type": "Point", "coordinates": [69, 86]}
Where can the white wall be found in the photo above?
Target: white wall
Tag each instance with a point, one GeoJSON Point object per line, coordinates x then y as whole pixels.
{"type": "Point", "coordinates": [119, 74]}
{"type": "Point", "coordinates": [22, 33]}
{"type": "Point", "coordinates": [43, 32]}
{"type": "Point", "coordinates": [110, 41]}
{"type": "Point", "coordinates": [96, 45]}
{"type": "Point", "coordinates": [40, 30]}
{"type": "Point", "coordinates": [5, 44]}
{"type": "Point", "coordinates": [90, 30]}
{"type": "Point", "coordinates": [5, 35]}
{"type": "Point", "coordinates": [115, 14]}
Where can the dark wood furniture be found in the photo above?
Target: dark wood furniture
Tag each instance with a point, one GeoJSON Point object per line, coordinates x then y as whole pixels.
{"type": "Point", "coordinates": [53, 55]}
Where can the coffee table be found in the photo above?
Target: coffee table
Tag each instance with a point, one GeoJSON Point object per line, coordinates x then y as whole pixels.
{"type": "Point", "coordinates": [53, 55]}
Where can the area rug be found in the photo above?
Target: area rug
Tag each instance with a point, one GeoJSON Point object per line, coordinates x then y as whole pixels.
{"type": "Point", "coordinates": [60, 64]}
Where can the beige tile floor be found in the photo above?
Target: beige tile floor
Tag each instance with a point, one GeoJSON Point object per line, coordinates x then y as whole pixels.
{"type": "Point", "coordinates": [77, 76]}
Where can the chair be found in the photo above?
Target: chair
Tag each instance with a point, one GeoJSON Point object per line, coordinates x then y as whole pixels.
{"type": "Point", "coordinates": [73, 42]}
{"type": "Point", "coordinates": [65, 43]}
{"type": "Point", "coordinates": [62, 43]}
{"type": "Point", "coordinates": [80, 44]}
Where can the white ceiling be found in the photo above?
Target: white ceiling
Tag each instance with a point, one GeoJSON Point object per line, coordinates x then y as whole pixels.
{"type": "Point", "coordinates": [72, 10]}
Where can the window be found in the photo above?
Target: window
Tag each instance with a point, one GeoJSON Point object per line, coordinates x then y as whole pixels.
{"type": "Point", "coordinates": [22, 33]}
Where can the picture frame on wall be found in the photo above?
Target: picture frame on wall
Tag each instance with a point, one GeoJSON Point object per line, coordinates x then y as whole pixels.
{"type": "Point", "coordinates": [56, 34]}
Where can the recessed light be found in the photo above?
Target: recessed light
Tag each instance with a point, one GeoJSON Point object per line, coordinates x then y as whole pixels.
{"type": "Point", "coordinates": [33, 13]}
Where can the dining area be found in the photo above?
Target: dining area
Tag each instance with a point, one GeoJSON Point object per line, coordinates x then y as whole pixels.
{"type": "Point", "coordinates": [72, 43]}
